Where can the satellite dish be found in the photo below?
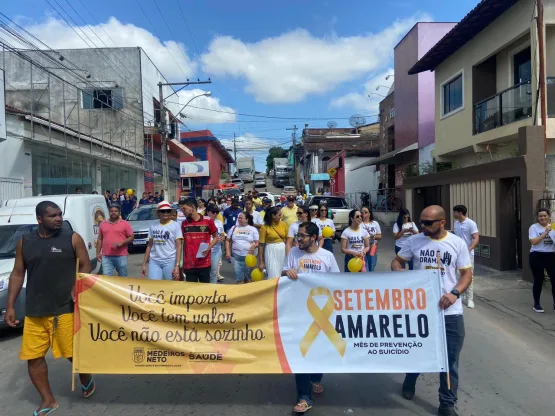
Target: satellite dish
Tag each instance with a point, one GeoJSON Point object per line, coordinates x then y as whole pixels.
{"type": "Point", "coordinates": [332, 124]}
{"type": "Point", "coordinates": [357, 120]}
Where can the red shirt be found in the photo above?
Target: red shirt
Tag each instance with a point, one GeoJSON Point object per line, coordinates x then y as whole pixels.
{"type": "Point", "coordinates": [113, 233]}
{"type": "Point", "coordinates": [194, 233]}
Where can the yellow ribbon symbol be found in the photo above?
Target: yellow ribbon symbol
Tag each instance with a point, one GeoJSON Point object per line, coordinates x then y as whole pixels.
{"type": "Point", "coordinates": [321, 322]}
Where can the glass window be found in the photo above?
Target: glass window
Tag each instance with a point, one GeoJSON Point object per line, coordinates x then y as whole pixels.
{"type": "Point", "coordinates": [452, 95]}
{"type": "Point", "coordinates": [102, 98]}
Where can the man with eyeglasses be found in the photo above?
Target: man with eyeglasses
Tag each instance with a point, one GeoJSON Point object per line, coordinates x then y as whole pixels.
{"type": "Point", "coordinates": [308, 257]}
{"type": "Point", "coordinates": [453, 253]}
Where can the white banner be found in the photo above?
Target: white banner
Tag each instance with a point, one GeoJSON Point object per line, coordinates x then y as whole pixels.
{"type": "Point", "coordinates": [362, 323]}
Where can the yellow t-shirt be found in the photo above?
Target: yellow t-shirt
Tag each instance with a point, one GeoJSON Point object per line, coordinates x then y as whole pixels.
{"type": "Point", "coordinates": [220, 217]}
{"type": "Point", "coordinates": [289, 215]}
{"type": "Point", "coordinates": [273, 233]}
{"type": "Point", "coordinates": [257, 202]}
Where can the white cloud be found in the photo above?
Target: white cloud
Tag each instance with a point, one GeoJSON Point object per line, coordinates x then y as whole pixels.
{"type": "Point", "coordinates": [360, 101]}
{"type": "Point", "coordinates": [203, 110]}
{"type": "Point", "coordinates": [165, 54]}
{"type": "Point", "coordinates": [289, 67]}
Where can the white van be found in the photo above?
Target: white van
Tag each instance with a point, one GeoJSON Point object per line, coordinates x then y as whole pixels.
{"type": "Point", "coordinates": [82, 214]}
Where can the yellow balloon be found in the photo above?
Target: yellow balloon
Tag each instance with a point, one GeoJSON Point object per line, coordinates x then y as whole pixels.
{"type": "Point", "coordinates": [250, 260]}
{"type": "Point", "coordinates": [257, 275]}
{"type": "Point", "coordinates": [130, 192]}
{"type": "Point", "coordinates": [355, 265]}
{"type": "Point", "coordinates": [327, 232]}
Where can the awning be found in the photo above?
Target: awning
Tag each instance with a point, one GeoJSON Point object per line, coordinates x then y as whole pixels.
{"type": "Point", "coordinates": [388, 157]}
{"type": "Point", "coordinates": [176, 144]}
{"type": "Point", "coordinates": [319, 176]}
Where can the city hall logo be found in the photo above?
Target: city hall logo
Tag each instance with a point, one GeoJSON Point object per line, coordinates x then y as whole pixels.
{"type": "Point", "coordinates": [98, 217]}
{"type": "Point", "coordinates": [138, 355]}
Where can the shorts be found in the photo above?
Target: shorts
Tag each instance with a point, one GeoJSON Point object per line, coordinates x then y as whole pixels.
{"type": "Point", "coordinates": [39, 335]}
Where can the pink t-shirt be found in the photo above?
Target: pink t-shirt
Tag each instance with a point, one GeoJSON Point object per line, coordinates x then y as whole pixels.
{"type": "Point", "coordinates": [112, 234]}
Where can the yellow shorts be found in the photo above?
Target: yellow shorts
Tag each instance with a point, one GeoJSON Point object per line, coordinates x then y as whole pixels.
{"type": "Point", "coordinates": [39, 335]}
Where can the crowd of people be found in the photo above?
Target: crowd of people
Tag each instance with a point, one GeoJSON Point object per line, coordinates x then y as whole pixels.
{"type": "Point", "coordinates": [283, 238]}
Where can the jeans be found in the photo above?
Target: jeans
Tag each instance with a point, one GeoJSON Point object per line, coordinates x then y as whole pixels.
{"type": "Point", "coordinates": [398, 249]}
{"type": "Point", "coordinates": [304, 385]}
{"type": "Point", "coordinates": [198, 275]}
{"type": "Point", "coordinates": [371, 261]}
{"type": "Point", "coordinates": [454, 331]}
{"type": "Point", "coordinates": [114, 263]}
{"type": "Point", "coordinates": [240, 269]}
{"type": "Point", "coordinates": [216, 257]}
{"type": "Point", "coordinates": [161, 269]}
{"type": "Point", "coordinates": [328, 244]}
{"type": "Point", "coordinates": [538, 263]}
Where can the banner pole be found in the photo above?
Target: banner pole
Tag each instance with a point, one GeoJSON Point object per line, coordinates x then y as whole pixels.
{"type": "Point", "coordinates": [74, 337]}
{"type": "Point", "coordinates": [439, 274]}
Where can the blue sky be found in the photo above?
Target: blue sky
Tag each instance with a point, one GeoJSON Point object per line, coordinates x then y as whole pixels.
{"type": "Point", "coordinates": [314, 60]}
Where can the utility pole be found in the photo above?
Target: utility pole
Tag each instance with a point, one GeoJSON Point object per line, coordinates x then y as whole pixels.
{"type": "Point", "coordinates": [164, 129]}
{"type": "Point", "coordinates": [235, 153]}
{"type": "Point", "coordinates": [294, 140]}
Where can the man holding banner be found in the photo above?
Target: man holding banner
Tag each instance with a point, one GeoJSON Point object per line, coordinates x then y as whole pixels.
{"type": "Point", "coordinates": [308, 257]}
{"type": "Point", "coordinates": [436, 248]}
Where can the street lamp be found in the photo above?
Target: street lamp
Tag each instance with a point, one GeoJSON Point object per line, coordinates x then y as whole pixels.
{"type": "Point", "coordinates": [206, 94]}
{"type": "Point", "coordinates": [381, 86]}
{"type": "Point", "coordinates": [375, 93]}
{"type": "Point", "coordinates": [389, 76]}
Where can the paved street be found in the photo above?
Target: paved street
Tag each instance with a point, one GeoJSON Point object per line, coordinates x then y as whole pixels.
{"type": "Point", "coordinates": [507, 369]}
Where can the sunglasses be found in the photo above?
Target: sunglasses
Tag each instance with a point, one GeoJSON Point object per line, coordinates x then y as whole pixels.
{"type": "Point", "coordinates": [299, 214]}
{"type": "Point", "coordinates": [313, 209]}
{"type": "Point", "coordinates": [428, 223]}
{"type": "Point", "coordinates": [165, 211]}
{"type": "Point", "coordinates": [407, 217]}
{"type": "Point", "coordinates": [358, 216]}
{"type": "Point", "coordinates": [323, 210]}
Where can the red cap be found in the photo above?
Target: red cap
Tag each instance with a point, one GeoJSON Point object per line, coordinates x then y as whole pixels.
{"type": "Point", "coordinates": [164, 205]}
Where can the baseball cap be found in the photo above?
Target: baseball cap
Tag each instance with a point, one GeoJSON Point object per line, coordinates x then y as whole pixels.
{"type": "Point", "coordinates": [314, 207]}
{"type": "Point", "coordinates": [266, 199]}
{"type": "Point", "coordinates": [291, 198]}
{"type": "Point", "coordinates": [164, 205]}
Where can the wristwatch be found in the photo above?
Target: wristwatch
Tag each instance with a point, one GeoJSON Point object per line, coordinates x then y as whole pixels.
{"type": "Point", "coordinates": [456, 293]}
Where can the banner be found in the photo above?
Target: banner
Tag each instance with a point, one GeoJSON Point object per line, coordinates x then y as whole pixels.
{"type": "Point", "coordinates": [321, 323]}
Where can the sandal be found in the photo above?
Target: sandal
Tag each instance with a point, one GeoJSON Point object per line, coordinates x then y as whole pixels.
{"type": "Point", "coordinates": [317, 388]}
{"type": "Point", "coordinates": [302, 407]}
{"type": "Point", "coordinates": [45, 411]}
{"type": "Point", "coordinates": [91, 386]}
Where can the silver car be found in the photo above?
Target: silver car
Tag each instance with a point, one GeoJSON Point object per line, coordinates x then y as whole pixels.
{"type": "Point", "coordinates": [260, 181]}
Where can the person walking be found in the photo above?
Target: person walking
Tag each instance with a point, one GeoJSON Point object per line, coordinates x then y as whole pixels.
{"type": "Point", "coordinates": [47, 257]}
{"type": "Point", "coordinates": [197, 229]}
{"type": "Point", "coordinates": [144, 200]}
{"type": "Point", "coordinates": [114, 235]}
{"type": "Point", "coordinates": [243, 239]}
{"type": "Point", "coordinates": [289, 211]}
{"type": "Point", "coordinates": [212, 211]}
{"type": "Point", "coordinates": [303, 215]}
{"type": "Point", "coordinates": [402, 230]}
{"type": "Point", "coordinates": [454, 256]}
{"type": "Point", "coordinates": [256, 217]}
{"type": "Point", "coordinates": [355, 240]}
{"type": "Point", "coordinates": [231, 213]}
{"type": "Point", "coordinates": [322, 219]}
{"type": "Point", "coordinates": [201, 206]}
{"type": "Point", "coordinates": [266, 205]}
{"type": "Point", "coordinates": [372, 227]}
{"type": "Point", "coordinates": [467, 229]}
{"type": "Point", "coordinates": [542, 256]}
{"type": "Point", "coordinates": [164, 248]}
{"type": "Point", "coordinates": [127, 206]}
{"type": "Point", "coordinates": [308, 252]}
{"type": "Point", "coordinates": [273, 234]}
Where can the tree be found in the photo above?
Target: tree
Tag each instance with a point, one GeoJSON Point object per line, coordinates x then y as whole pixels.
{"type": "Point", "coordinates": [273, 153]}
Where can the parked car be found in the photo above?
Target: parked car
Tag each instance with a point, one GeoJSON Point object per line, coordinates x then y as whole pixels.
{"type": "Point", "coordinates": [259, 181]}
{"type": "Point", "coordinates": [273, 197]}
{"type": "Point", "coordinates": [140, 220]}
{"type": "Point", "coordinates": [339, 208]}
{"type": "Point", "coordinates": [290, 191]}
{"type": "Point", "coordinates": [82, 214]}
{"type": "Point", "coordinates": [240, 184]}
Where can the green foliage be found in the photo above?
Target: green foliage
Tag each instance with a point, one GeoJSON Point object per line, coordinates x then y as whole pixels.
{"type": "Point", "coordinates": [273, 153]}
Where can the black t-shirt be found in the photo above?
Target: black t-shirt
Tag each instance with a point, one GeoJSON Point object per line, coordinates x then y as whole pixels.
{"type": "Point", "coordinates": [50, 264]}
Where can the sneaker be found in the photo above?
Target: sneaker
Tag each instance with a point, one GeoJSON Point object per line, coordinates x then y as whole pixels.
{"type": "Point", "coordinates": [408, 389]}
{"type": "Point", "coordinates": [220, 278]}
{"type": "Point", "coordinates": [446, 411]}
{"type": "Point", "coordinates": [470, 304]}
{"type": "Point", "coordinates": [538, 308]}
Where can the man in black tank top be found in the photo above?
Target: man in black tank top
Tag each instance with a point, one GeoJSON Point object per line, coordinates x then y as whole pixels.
{"type": "Point", "coordinates": [48, 256]}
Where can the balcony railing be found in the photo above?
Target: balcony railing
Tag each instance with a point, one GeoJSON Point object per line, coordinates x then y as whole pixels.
{"type": "Point", "coordinates": [506, 107]}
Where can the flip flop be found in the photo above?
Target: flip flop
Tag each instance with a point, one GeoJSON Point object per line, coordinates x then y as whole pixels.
{"type": "Point", "coordinates": [302, 407]}
{"type": "Point", "coordinates": [86, 388]}
{"type": "Point", "coordinates": [46, 411]}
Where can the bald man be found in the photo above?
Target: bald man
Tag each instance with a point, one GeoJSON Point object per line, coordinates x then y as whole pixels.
{"type": "Point", "coordinates": [422, 249]}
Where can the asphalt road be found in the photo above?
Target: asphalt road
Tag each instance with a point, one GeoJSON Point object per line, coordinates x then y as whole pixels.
{"type": "Point", "coordinates": [507, 369]}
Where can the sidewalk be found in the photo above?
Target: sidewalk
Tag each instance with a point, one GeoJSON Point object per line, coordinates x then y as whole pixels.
{"type": "Point", "coordinates": [502, 290]}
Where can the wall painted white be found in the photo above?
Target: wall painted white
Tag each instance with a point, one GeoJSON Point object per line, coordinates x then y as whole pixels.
{"type": "Point", "coordinates": [425, 156]}
{"type": "Point", "coordinates": [364, 179]}
{"type": "Point", "coordinates": [18, 164]}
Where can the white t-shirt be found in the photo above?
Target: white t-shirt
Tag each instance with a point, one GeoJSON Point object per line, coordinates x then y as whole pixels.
{"type": "Point", "coordinates": [408, 226]}
{"type": "Point", "coordinates": [325, 223]}
{"type": "Point", "coordinates": [545, 246]}
{"type": "Point", "coordinates": [372, 228]}
{"type": "Point", "coordinates": [163, 240]}
{"type": "Point", "coordinates": [322, 261]}
{"type": "Point", "coordinates": [454, 256]}
{"type": "Point", "coordinates": [241, 239]}
{"type": "Point", "coordinates": [256, 218]}
{"type": "Point", "coordinates": [294, 229]}
{"type": "Point", "coordinates": [465, 230]}
{"type": "Point", "coordinates": [355, 239]}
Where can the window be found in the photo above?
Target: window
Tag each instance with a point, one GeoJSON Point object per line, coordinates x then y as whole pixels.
{"type": "Point", "coordinates": [392, 113]}
{"type": "Point", "coordinates": [102, 98]}
{"type": "Point", "coordinates": [452, 94]}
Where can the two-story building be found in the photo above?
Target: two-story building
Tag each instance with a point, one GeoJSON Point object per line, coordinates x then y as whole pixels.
{"type": "Point", "coordinates": [486, 116]}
